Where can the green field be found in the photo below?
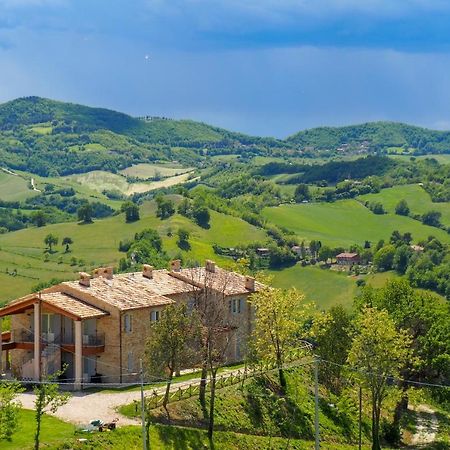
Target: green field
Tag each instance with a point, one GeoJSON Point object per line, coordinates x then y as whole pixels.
{"type": "Point", "coordinates": [324, 287]}
{"type": "Point", "coordinates": [14, 187]}
{"type": "Point", "coordinates": [97, 244]}
{"type": "Point", "coordinates": [440, 158]}
{"type": "Point", "coordinates": [145, 171]}
{"type": "Point", "coordinates": [345, 222]}
{"type": "Point", "coordinates": [419, 201]}
{"type": "Point", "coordinates": [54, 432]}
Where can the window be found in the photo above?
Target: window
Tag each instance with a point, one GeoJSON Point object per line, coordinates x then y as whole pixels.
{"type": "Point", "coordinates": [190, 306]}
{"type": "Point", "coordinates": [154, 316]}
{"type": "Point", "coordinates": [236, 305]}
{"type": "Point", "coordinates": [127, 323]}
{"type": "Point", "coordinates": [130, 362]}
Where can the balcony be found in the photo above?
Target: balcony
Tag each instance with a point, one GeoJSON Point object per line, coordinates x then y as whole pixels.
{"type": "Point", "coordinates": [91, 343]}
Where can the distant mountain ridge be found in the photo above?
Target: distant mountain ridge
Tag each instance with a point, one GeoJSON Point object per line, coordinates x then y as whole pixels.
{"type": "Point", "coordinates": [45, 136]}
{"type": "Point", "coordinates": [377, 135]}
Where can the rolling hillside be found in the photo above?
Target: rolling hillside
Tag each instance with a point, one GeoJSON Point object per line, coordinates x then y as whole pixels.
{"type": "Point", "coordinates": [346, 222]}
{"type": "Point", "coordinates": [97, 245]}
{"type": "Point", "coordinates": [375, 136]}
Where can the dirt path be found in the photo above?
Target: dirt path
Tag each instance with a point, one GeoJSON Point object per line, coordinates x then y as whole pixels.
{"type": "Point", "coordinates": [84, 406]}
{"type": "Point", "coordinates": [426, 426]}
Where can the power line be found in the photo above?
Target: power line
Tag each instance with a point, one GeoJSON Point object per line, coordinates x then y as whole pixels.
{"type": "Point", "coordinates": [355, 369]}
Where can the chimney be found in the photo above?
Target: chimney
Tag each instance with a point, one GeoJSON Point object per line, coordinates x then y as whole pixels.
{"type": "Point", "coordinates": [147, 271]}
{"type": "Point", "coordinates": [105, 272]}
{"type": "Point", "coordinates": [175, 265]}
{"type": "Point", "coordinates": [108, 273]}
{"type": "Point", "coordinates": [250, 283]}
{"type": "Point", "coordinates": [210, 266]}
{"type": "Point", "coordinates": [98, 272]}
{"type": "Point", "coordinates": [85, 279]}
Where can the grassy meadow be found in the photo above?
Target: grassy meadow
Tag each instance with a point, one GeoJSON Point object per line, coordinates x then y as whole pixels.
{"type": "Point", "coordinates": [14, 187]}
{"type": "Point", "coordinates": [345, 222]}
{"type": "Point", "coordinates": [97, 244]}
{"type": "Point", "coordinates": [419, 201]}
{"type": "Point", "coordinates": [324, 287]}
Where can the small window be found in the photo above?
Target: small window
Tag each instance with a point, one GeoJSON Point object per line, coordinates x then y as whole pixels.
{"type": "Point", "coordinates": [130, 362]}
{"type": "Point", "coordinates": [154, 316]}
{"type": "Point", "coordinates": [190, 306]}
{"type": "Point", "coordinates": [236, 305]}
{"type": "Point", "coordinates": [127, 323]}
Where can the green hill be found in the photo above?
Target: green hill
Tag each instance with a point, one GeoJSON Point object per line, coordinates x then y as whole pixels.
{"type": "Point", "coordinates": [375, 136]}
{"type": "Point", "coordinates": [346, 222]}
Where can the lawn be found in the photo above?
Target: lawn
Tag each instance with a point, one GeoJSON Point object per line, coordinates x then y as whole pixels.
{"type": "Point", "coordinates": [345, 222]}
{"type": "Point", "coordinates": [97, 245]}
{"type": "Point", "coordinates": [419, 201]}
{"type": "Point", "coordinates": [182, 438]}
{"type": "Point", "coordinates": [324, 287]}
{"type": "Point", "coordinates": [14, 187]}
{"type": "Point", "coordinates": [54, 432]}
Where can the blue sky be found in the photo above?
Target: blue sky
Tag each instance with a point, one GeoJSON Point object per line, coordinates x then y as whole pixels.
{"type": "Point", "coordinates": [266, 67]}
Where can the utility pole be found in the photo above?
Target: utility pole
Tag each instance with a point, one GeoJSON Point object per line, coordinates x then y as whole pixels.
{"type": "Point", "coordinates": [360, 418]}
{"type": "Point", "coordinates": [144, 435]}
{"type": "Point", "coordinates": [316, 398]}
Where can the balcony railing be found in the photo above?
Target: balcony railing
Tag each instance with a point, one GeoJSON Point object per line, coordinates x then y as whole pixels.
{"type": "Point", "coordinates": [88, 340]}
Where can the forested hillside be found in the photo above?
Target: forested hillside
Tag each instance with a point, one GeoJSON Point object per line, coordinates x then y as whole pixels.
{"type": "Point", "coordinates": [51, 138]}
{"type": "Point", "coordinates": [375, 136]}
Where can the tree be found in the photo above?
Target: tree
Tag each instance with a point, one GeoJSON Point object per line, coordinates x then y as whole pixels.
{"type": "Point", "coordinates": [325, 252]}
{"type": "Point", "coordinates": [184, 208]}
{"type": "Point", "coordinates": [331, 332]}
{"type": "Point", "coordinates": [49, 398]}
{"type": "Point", "coordinates": [402, 208]}
{"type": "Point", "coordinates": [85, 213]}
{"type": "Point", "coordinates": [200, 213]}
{"type": "Point", "coordinates": [167, 346]}
{"type": "Point", "coordinates": [9, 409]}
{"type": "Point", "coordinates": [165, 207]}
{"type": "Point", "coordinates": [302, 193]}
{"type": "Point", "coordinates": [216, 328]}
{"type": "Point", "coordinates": [67, 241]}
{"type": "Point", "coordinates": [432, 218]}
{"type": "Point", "coordinates": [131, 211]}
{"type": "Point", "coordinates": [384, 258]}
{"type": "Point", "coordinates": [39, 218]}
{"type": "Point", "coordinates": [401, 258]}
{"type": "Point", "coordinates": [183, 239]}
{"type": "Point", "coordinates": [314, 247]}
{"type": "Point", "coordinates": [50, 240]}
{"type": "Point", "coordinates": [279, 316]}
{"type": "Point", "coordinates": [378, 352]}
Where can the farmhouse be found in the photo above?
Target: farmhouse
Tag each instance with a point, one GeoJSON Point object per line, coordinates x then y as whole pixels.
{"type": "Point", "coordinates": [347, 259]}
{"type": "Point", "coordinates": [97, 326]}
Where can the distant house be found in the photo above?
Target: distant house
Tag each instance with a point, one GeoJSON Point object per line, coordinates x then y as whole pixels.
{"type": "Point", "coordinates": [297, 249]}
{"type": "Point", "coordinates": [347, 259]}
{"type": "Point", "coordinates": [262, 251]}
{"type": "Point", "coordinates": [417, 248]}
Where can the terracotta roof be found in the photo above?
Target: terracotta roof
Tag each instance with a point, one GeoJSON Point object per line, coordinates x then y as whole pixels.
{"type": "Point", "coordinates": [230, 283]}
{"type": "Point", "coordinates": [72, 305]}
{"type": "Point", "coordinates": [347, 255]}
{"type": "Point", "coordinates": [123, 291]}
{"type": "Point", "coordinates": [161, 283]}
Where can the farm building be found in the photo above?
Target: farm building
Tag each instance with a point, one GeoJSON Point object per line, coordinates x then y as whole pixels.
{"type": "Point", "coordinates": [98, 324]}
{"type": "Point", "coordinates": [347, 259]}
